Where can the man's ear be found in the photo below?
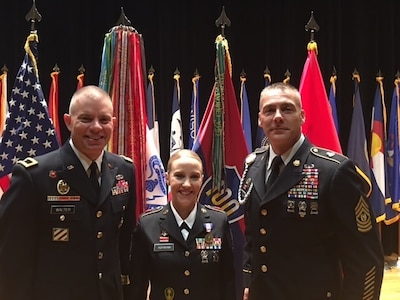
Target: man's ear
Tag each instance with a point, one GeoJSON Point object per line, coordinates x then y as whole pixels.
{"type": "Point", "coordinates": [67, 121]}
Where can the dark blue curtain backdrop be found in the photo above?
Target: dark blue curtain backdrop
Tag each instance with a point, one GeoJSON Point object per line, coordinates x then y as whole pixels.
{"type": "Point", "coordinates": [354, 34]}
{"type": "Point", "coordinates": [180, 34]}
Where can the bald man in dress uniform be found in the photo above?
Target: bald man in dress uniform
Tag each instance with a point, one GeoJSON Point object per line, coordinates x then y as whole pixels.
{"type": "Point", "coordinates": [60, 236]}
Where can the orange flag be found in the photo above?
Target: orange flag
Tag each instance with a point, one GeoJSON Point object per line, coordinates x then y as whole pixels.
{"type": "Point", "coordinates": [80, 78]}
{"type": "Point", "coordinates": [53, 102]}
{"type": "Point", "coordinates": [3, 99]}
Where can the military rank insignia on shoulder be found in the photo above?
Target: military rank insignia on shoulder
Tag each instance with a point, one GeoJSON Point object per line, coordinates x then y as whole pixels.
{"type": "Point", "coordinates": [328, 154]}
{"type": "Point", "coordinates": [28, 162]}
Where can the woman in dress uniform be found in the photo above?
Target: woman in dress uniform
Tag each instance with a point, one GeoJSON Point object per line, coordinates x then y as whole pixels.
{"type": "Point", "coordinates": [184, 249]}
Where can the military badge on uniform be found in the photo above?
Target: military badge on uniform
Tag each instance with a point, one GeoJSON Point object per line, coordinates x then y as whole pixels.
{"type": "Point", "coordinates": [52, 174]}
{"type": "Point", "coordinates": [314, 207]}
{"type": "Point", "coordinates": [164, 238]}
{"type": "Point", "coordinates": [215, 256]}
{"type": "Point", "coordinates": [208, 237]}
{"type": "Point", "coordinates": [169, 293]}
{"type": "Point", "coordinates": [204, 256]}
{"type": "Point", "coordinates": [302, 208]}
{"type": "Point", "coordinates": [291, 206]}
{"type": "Point", "coordinates": [62, 187]}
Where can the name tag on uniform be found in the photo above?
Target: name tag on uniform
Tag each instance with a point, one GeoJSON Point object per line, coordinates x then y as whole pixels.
{"type": "Point", "coordinates": [164, 247]}
{"type": "Point", "coordinates": [62, 209]}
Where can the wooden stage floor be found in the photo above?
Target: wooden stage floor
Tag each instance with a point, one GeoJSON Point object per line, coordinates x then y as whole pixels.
{"type": "Point", "coordinates": [391, 283]}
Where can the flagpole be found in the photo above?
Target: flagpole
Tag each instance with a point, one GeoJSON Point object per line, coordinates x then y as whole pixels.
{"type": "Point", "coordinates": [33, 16]}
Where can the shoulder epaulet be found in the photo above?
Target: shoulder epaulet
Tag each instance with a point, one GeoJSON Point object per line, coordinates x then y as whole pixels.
{"type": "Point", "coordinates": [328, 154]}
{"type": "Point", "coordinates": [214, 208]}
{"type": "Point", "coordinates": [128, 159]}
{"type": "Point", "coordinates": [152, 211]}
{"type": "Point", "coordinates": [252, 156]}
{"type": "Point", "coordinates": [28, 162]}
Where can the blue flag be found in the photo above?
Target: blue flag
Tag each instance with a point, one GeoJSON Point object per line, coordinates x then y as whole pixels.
{"type": "Point", "coordinates": [194, 111]}
{"type": "Point", "coordinates": [29, 130]}
{"type": "Point", "coordinates": [357, 150]}
{"type": "Point", "coordinates": [332, 101]}
{"type": "Point", "coordinates": [245, 114]}
{"type": "Point", "coordinates": [393, 158]}
{"type": "Point", "coordinates": [261, 139]}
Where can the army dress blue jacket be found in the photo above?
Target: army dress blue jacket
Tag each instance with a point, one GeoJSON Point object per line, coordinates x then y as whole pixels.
{"type": "Point", "coordinates": [313, 235]}
{"type": "Point", "coordinates": [57, 241]}
{"type": "Point", "coordinates": [199, 268]}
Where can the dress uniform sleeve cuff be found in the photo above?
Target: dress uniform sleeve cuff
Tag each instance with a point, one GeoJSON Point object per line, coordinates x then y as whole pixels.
{"type": "Point", "coordinates": [125, 280]}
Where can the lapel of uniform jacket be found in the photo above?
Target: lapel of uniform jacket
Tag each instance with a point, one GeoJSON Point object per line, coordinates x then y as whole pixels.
{"type": "Point", "coordinates": [74, 175]}
{"type": "Point", "coordinates": [290, 175]}
{"type": "Point", "coordinates": [108, 175]}
{"type": "Point", "coordinates": [168, 224]}
{"type": "Point", "coordinates": [202, 217]}
{"type": "Point", "coordinates": [258, 170]}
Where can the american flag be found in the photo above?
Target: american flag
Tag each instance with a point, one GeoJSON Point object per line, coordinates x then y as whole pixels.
{"type": "Point", "coordinates": [28, 131]}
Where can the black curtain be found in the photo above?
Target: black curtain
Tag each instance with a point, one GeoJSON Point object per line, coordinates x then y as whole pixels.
{"type": "Point", "coordinates": [354, 34]}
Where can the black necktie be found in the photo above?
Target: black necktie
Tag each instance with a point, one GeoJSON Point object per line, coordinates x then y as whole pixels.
{"type": "Point", "coordinates": [275, 166]}
{"type": "Point", "coordinates": [185, 226]}
{"type": "Point", "coordinates": [94, 179]}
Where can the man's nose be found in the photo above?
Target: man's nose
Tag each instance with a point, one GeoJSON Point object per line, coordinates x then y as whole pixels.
{"type": "Point", "coordinates": [96, 124]}
{"type": "Point", "coordinates": [278, 113]}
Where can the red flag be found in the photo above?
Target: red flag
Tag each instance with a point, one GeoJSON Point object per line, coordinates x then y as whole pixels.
{"type": "Point", "coordinates": [221, 145]}
{"type": "Point", "coordinates": [319, 126]}
{"type": "Point", "coordinates": [53, 102]}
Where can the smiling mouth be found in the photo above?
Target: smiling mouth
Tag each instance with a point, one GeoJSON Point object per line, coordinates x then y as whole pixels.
{"type": "Point", "coordinates": [95, 138]}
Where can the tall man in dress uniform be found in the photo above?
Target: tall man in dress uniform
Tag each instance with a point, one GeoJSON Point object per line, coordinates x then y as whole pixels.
{"type": "Point", "coordinates": [63, 236]}
{"type": "Point", "coordinates": [311, 233]}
